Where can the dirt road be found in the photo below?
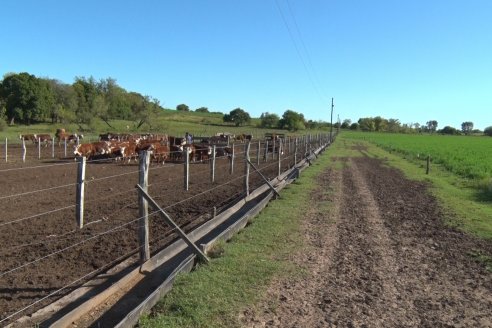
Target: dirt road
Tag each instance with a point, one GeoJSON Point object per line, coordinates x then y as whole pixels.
{"type": "Point", "coordinates": [380, 256]}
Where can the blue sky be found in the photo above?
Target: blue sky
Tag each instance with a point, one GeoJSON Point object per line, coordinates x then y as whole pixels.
{"type": "Point", "coordinates": [411, 60]}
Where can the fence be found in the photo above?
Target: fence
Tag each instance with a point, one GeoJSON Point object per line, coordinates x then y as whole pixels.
{"type": "Point", "coordinates": [109, 222]}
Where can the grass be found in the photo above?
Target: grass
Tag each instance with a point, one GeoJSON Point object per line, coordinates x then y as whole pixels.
{"type": "Point", "coordinates": [214, 295]}
{"type": "Point", "coordinates": [464, 205]}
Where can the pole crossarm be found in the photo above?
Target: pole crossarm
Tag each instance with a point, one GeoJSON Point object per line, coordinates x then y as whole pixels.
{"type": "Point", "coordinates": [171, 223]}
{"type": "Point", "coordinates": [263, 177]}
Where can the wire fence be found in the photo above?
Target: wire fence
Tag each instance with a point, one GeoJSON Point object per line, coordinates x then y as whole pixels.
{"type": "Point", "coordinates": [112, 209]}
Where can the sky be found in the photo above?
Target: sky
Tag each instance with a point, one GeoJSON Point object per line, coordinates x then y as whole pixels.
{"type": "Point", "coordinates": [415, 61]}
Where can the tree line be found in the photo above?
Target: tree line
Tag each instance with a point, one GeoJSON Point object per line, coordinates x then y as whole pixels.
{"type": "Point", "coordinates": [380, 124]}
{"type": "Point", "coordinates": [27, 99]}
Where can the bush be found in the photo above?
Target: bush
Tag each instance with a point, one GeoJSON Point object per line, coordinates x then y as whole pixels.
{"type": "Point", "coordinates": [488, 131]}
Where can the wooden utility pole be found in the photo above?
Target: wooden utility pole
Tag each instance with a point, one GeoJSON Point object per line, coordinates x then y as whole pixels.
{"type": "Point", "coordinates": [331, 122]}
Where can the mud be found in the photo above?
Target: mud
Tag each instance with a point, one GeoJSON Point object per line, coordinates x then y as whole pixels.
{"type": "Point", "coordinates": [380, 257]}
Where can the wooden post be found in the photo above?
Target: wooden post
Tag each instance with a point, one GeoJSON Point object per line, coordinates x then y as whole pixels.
{"type": "Point", "coordinates": [295, 152]}
{"type": "Point", "coordinates": [186, 158]}
{"type": "Point", "coordinates": [39, 148]}
{"type": "Point", "coordinates": [65, 143]}
{"type": "Point", "coordinates": [6, 150]}
{"type": "Point", "coordinates": [280, 149]}
{"type": "Point", "coordinates": [143, 207]}
{"type": "Point", "coordinates": [232, 159]}
{"type": "Point", "coordinates": [52, 147]}
{"type": "Point", "coordinates": [428, 164]}
{"type": "Point", "coordinates": [79, 201]}
{"type": "Point", "coordinates": [24, 151]}
{"type": "Point", "coordinates": [246, 168]}
{"type": "Point", "coordinates": [273, 149]}
{"type": "Point", "coordinates": [212, 164]}
{"type": "Point", "coordinates": [266, 151]}
{"type": "Point", "coordinates": [258, 151]}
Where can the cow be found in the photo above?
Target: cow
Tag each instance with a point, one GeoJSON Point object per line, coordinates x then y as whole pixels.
{"type": "Point", "coordinates": [27, 137]}
{"type": "Point", "coordinates": [244, 137]}
{"type": "Point", "coordinates": [176, 141]}
{"type": "Point", "coordinates": [45, 139]}
{"type": "Point", "coordinates": [90, 150]}
{"type": "Point", "coordinates": [176, 153]}
{"type": "Point", "coordinates": [202, 152]}
{"type": "Point", "coordinates": [160, 153]}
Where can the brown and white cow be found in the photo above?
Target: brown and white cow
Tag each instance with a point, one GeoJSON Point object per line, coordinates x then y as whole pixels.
{"type": "Point", "coordinates": [160, 153]}
{"type": "Point", "coordinates": [90, 150]}
{"type": "Point", "coordinates": [202, 152]}
{"type": "Point", "coordinates": [45, 139]}
{"type": "Point", "coordinates": [27, 137]}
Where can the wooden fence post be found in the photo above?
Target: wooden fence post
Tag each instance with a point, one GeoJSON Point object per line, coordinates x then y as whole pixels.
{"type": "Point", "coordinates": [52, 147]}
{"type": "Point", "coordinates": [280, 149]}
{"type": "Point", "coordinates": [39, 148]}
{"type": "Point", "coordinates": [273, 149]}
{"type": "Point", "coordinates": [266, 151]}
{"type": "Point", "coordinates": [258, 151]}
{"type": "Point", "coordinates": [143, 207]}
{"type": "Point", "coordinates": [212, 163]}
{"type": "Point", "coordinates": [6, 150]}
{"type": "Point", "coordinates": [186, 158]}
{"type": "Point", "coordinates": [295, 152]}
{"type": "Point", "coordinates": [24, 151]}
{"type": "Point", "coordinates": [428, 164]}
{"type": "Point", "coordinates": [79, 200]}
{"type": "Point", "coordinates": [246, 167]}
{"type": "Point", "coordinates": [65, 143]}
{"type": "Point", "coordinates": [233, 156]}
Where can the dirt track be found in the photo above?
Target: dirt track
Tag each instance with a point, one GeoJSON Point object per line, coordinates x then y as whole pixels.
{"type": "Point", "coordinates": [381, 257]}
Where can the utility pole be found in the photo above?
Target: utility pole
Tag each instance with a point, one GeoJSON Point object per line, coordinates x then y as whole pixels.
{"type": "Point", "coordinates": [331, 122]}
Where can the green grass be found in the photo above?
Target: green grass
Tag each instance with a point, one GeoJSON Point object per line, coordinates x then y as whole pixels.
{"type": "Point", "coordinates": [466, 206]}
{"type": "Point", "coordinates": [214, 295]}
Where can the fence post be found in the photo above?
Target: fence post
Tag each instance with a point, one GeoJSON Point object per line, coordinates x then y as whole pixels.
{"type": "Point", "coordinates": [280, 149]}
{"type": "Point", "coordinates": [258, 151]}
{"type": "Point", "coordinates": [65, 147]}
{"type": "Point", "coordinates": [24, 151]}
{"type": "Point", "coordinates": [266, 151]}
{"type": "Point", "coordinates": [233, 156]}
{"type": "Point", "coordinates": [246, 167]}
{"type": "Point", "coordinates": [79, 201]}
{"type": "Point", "coordinates": [52, 147]}
{"type": "Point", "coordinates": [6, 150]}
{"type": "Point", "coordinates": [143, 207]}
{"type": "Point", "coordinates": [212, 163]}
{"type": "Point", "coordinates": [295, 152]}
{"type": "Point", "coordinates": [186, 158]}
{"type": "Point", "coordinates": [428, 164]}
{"type": "Point", "coordinates": [273, 149]}
{"type": "Point", "coordinates": [39, 148]}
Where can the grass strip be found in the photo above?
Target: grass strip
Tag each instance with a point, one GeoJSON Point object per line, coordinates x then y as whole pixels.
{"type": "Point", "coordinates": [214, 295]}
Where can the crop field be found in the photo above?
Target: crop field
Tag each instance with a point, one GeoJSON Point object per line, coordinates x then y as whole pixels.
{"type": "Point", "coordinates": [466, 156]}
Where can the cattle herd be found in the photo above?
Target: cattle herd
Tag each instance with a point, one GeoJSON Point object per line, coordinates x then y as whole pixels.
{"type": "Point", "coordinates": [126, 146]}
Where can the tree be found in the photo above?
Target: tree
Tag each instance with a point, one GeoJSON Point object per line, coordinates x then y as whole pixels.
{"type": "Point", "coordinates": [292, 121]}
{"type": "Point", "coordinates": [448, 130]}
{"type": "Point", "coordinates": [269, 120]}
{"type": "Point", "coordinates": [393, 125]}
{"type": "Point", "coordinates": [431, 126]}
{"type": "Point", "coordinates": [346, 123]}
{"type": "Point", "coordinates": [354, 126]}
{"type": "Point", "coordinates": [467, 127]}
{"type": "Point", "coordinates": [367, 124]}
{"type": "Point", "coordinates": [488, 131]}
{"type": "Point", "coordinates": [202, 110]}
{"type": "Point", "coordinates": [237, 116]}
{"type": "Point", "coordinates": [183, 108]}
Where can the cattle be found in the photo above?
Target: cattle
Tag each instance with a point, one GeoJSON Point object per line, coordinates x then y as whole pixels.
{"type": "Point", "coordinates": [27, 137]}
{"type": "Point", "coordinates": [244, 137]}
{"type": "Point", "coordinates": [176, 153]}
{"type": "Point", "coordinates": [90, 150]}
{"type": "Point", "coordinates": [176, 141]}
{"type": "Point", "coordinates": [202, 152]}
{"type": "Point", "coordinates": [160, 153]}
{"type": "Point", "coordinates": [45, 139]}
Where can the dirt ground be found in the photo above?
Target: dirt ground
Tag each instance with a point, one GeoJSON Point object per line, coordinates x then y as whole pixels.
{"type": "Point", "coordinates": [381, 257]}
{"type": "Point", "coordinates": [43, 250]}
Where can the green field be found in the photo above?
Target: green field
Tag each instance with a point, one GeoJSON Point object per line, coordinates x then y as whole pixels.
{"type": "Point", "coordinates": [469, 157]}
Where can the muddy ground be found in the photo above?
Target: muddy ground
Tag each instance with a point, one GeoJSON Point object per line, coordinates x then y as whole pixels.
{"type": "Point", "coordinates": [43, 250]}
{"type": "Point", "coordinates": [381, 257]}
